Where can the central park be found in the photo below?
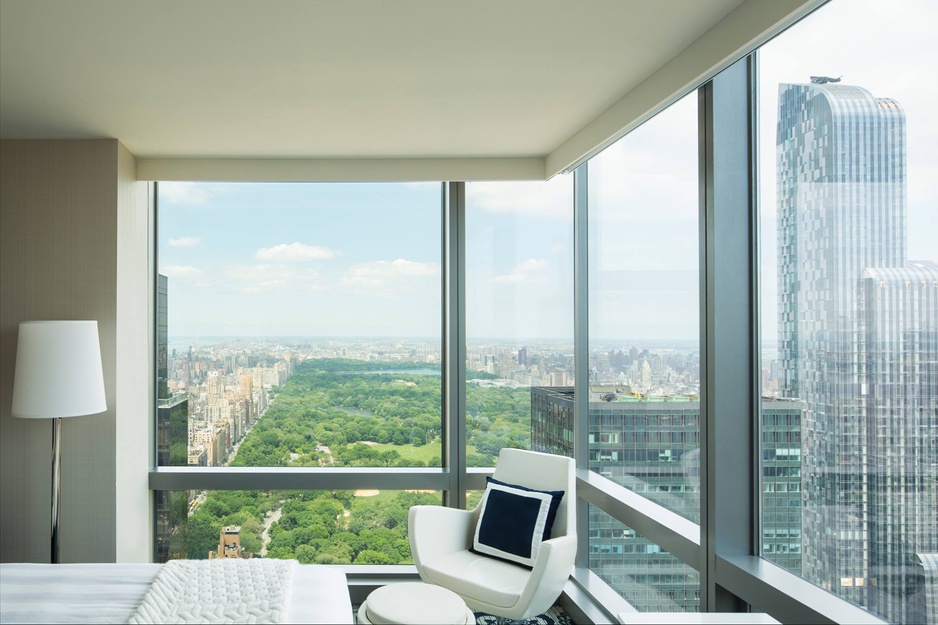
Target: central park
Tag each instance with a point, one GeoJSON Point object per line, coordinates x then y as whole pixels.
{"type": "Point", "coordinates": [347, 413]}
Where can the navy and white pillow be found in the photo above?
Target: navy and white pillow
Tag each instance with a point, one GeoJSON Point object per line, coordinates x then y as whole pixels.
{"type": "Point", "coordinates": [513, 521]}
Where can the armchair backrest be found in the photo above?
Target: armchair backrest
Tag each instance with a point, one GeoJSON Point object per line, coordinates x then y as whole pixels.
{"type": "Point", "coordinates": [543, 472]}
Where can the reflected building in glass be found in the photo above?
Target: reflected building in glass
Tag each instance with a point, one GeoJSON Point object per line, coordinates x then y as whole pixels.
{"type": "Point", "coordinates": [858, 343]}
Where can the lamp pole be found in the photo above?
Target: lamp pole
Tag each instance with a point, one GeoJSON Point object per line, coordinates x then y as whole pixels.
{"type": "Point", "coordinates": [56, 485]}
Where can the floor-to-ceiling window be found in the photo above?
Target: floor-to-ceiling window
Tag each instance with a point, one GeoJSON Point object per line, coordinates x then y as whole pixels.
{"type": "Point", "coordinates": [849, 306]}
{"type": "Point", "coordinates": [299, 327]}
{"type": "Point", "coordinates": [519, 314]}
{"type": "Point", "coordinates": [644, 348]}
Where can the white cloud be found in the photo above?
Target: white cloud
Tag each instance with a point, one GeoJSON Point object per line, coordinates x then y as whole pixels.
{"type": "Point", "coordinates": [184, 242]}
{"type": "Point", "coordinates": [292, 252]}
{"type": "Point", "coordinates": [522, 272]}
{"type": "Point", "coordinates": [184, 193]}
{"type": "Point", "coordinates": [531, 264]}
{"type": "Point", "coordinates": [387, 278]}
{"type": "Point", "coordinates": [272, 277]}
{"type": "Point", "coordinates": [180, 271]}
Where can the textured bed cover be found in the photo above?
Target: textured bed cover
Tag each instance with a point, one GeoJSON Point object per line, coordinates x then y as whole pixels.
{"type": "Point", "coordinates": [109, 593]}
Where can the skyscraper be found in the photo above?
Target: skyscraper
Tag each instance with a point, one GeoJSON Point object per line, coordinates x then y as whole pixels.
{"type": "Point", "coordinates": [651, 446]}
{"type": "Point", "coordinates": [858, 327]}
{"type": "Point", "coordinates": [172, 417]}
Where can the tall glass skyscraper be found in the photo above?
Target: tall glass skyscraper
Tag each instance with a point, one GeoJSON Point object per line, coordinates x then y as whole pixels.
{"type": "Point", "coordinates": [858, 344]}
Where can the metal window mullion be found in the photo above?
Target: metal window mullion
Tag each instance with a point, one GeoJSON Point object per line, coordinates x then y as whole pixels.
{"type": "Point", "coordinates": [705, 190]}
{"type": "Point", "coordinates": [581, 349]}
{"type": "Point", "coordinates": [454, 342]}
{"type": "Point", "coordinates": [755, 304]}
{"type": "Point", "coordinates": [153, 222]}
{"type": "Point", "coordinates": [297, 478]}
{"type": "Point", "coordinates": [727, 308]}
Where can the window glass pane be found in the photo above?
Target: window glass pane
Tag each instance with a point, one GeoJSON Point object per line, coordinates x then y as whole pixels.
{"type": "Point", "coordinates": [299, 324]}
{"type": "Point", "coordinates": [644, 311]}
{"type": "Point", "coordinates": [314, 527]}
{"type": "Point", "coordinates": [646, 576]}
{"type": "Point", "coordinates": [519, 313]}
{"type": "Point", "coordinates": [849, 287]}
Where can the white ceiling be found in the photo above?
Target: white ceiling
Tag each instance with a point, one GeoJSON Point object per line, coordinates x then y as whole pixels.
{"type": "Point", "coordinates": [351, 79]}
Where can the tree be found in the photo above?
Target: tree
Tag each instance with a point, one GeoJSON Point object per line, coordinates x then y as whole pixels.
{"type": "Point", "coordinates": [250, 542]}
{"type": "Point", "coordinates": [203, 535]}
{"type": "Point", "coordinates": [369, 556]}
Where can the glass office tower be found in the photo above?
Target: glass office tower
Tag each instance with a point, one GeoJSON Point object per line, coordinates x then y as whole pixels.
{"type": "Point", "coordinates": [651, 446]}
{"type": "Point", "coordinates": [858, 333]}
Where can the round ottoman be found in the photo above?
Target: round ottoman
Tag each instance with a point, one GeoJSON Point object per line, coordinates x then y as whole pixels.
{"type": "Point", "coordinates": [414, 602]}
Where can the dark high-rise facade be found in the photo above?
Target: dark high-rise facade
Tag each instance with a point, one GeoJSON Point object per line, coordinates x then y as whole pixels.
{"type": "Point", "coordinates": [858, 344]}
{"type": "Point", "coordinates": [651, 446]}
{"type": "Point", "coordinates": [172, 423]}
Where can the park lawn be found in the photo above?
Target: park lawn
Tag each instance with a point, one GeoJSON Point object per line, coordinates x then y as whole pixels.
{"type": "Point", "coordinates": [423, 453]}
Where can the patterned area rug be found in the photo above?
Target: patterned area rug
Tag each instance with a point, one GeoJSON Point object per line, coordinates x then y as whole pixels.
{"type": "Point", "coordinates": [554, 616]}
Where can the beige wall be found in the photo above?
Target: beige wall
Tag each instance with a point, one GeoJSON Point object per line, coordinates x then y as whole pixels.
{"type": "Point", "coordinates": [135, 353]}
{"type": "Point", "coordinates": [59, 209]}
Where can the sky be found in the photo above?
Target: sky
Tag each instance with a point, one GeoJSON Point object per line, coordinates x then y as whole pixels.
{"type": "Point", "coordinates": [339, 259]}
{"type": "Point", "coordinates": [352, 260]}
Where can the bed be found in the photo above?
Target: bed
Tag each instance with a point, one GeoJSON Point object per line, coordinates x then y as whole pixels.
{"type": "Point", "coordinates": [111, 593]}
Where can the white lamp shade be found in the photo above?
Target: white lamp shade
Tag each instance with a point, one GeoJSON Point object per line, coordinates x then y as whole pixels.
{"type": "Point", "coordinates": [58, 370]}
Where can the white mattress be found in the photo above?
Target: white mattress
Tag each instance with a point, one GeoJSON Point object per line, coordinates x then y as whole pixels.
{"type": "Point", "coordinates": [109, 593]}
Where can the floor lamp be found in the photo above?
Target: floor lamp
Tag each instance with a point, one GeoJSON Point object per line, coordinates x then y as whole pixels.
{"type": "Point", "coordinates": [58, 374]}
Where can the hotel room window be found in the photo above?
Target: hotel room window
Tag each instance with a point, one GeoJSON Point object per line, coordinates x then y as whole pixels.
{"type": "Point", "coordinates": [519, 318]}
{"type": "Point", "coordinates": [298, 325]}
{"type": "Point", "coordinates": [849, 304]}
{"type": "Point", "coordinates": [644, 342]}
{"type": "Point", "coordinates": [644, 309]}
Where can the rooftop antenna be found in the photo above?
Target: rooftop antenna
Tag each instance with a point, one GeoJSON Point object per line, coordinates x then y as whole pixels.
{"type": "Point", "coordinates": [823, 80]}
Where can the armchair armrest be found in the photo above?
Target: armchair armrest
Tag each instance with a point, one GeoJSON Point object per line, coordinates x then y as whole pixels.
{"type": "Point", "coordinates": [551, 571]}
{"type": "Point", "coordinates": [438, 530]}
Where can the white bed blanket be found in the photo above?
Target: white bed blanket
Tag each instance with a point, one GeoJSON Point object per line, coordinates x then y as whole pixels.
{"type": "Point", "coordinates": [218, 591]}
{"type": "Point", "coordinates": [110, 593]}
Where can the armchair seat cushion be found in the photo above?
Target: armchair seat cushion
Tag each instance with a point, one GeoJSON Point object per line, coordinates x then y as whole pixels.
{"type": "Point", "coordinates": [478, 577]}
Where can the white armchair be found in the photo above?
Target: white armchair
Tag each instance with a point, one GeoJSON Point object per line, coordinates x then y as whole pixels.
{"type": "Point", "coordinates": [440, 539]}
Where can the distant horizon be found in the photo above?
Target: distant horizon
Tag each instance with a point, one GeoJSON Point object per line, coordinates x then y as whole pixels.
{"type": "Point", "coordinates": [493, 339]}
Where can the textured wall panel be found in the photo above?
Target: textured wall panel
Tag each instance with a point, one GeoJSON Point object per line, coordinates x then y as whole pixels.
{"type": "Point", "coordinates": [58, 260]}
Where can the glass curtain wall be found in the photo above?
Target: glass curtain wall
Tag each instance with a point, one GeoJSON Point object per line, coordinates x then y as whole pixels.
{"type": "Point", "coordinates": [519, 316]}
{"type": "Point", "coordinates": [849, 304]}
{"type": "Point", "coordinates": [644, 346]}
{"type": "Point", "coordinates": [298, 326]}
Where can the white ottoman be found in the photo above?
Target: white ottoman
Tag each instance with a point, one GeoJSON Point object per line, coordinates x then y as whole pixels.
{"type": "Point", "coordinates": [414, 602]}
